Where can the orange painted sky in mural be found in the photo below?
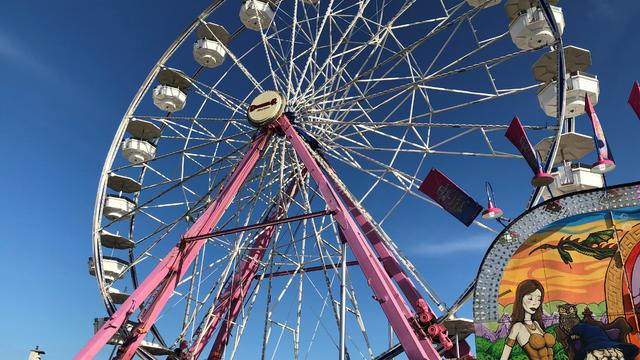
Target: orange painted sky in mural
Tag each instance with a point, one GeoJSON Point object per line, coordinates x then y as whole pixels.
{"type": "Point", "coordinates": [581, 283]}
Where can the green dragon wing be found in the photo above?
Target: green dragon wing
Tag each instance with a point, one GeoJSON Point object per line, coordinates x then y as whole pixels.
{"type": "Point", "coordinates": [598, 237]}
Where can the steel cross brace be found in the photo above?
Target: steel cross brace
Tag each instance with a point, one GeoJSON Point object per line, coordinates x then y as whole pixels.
{"type": "Point", "coordinates": [230, 302]}
{"type": "Point", "coordinates": [165, 277]}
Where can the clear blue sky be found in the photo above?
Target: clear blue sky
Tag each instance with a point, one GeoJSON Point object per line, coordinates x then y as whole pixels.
{"type": "Point", "coordinates": [69, 71]}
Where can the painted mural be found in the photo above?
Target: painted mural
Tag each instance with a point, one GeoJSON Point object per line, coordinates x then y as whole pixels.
{"type": "Point", "coordinates": [571, 291]}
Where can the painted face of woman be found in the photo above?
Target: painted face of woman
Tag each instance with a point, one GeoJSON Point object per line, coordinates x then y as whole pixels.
{"type": "Point", "coordinates": [531, 302]}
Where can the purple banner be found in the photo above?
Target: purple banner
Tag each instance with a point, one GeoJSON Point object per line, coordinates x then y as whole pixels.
{"type": "Point", "coordinates": [450, 196]}
{"type": "Point", "coordinates": [598, 135]}
{"type": "Point", "coordinates": [634, 98]}
{"type": "Point", "coordinates": [518, 137]}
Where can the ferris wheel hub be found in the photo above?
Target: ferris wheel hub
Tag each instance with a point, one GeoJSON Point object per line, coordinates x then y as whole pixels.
{"type": "Point", "coordinates": [265, 108]}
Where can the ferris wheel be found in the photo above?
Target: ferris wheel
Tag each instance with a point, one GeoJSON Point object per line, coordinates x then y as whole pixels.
{"type": "Point", "coordinates": [231, 216]}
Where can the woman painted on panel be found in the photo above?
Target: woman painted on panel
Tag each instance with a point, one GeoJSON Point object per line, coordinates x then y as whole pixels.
{"type": "Point", "coordinates": [527, 328]}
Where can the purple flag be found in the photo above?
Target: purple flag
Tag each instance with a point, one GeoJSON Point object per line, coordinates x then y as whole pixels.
{"type": "Point", "coordinates": [451, 197]}
{"type": "Point", "coordinates": [634, 98]}
{"type": "Point", "coordinates": [518, 137]}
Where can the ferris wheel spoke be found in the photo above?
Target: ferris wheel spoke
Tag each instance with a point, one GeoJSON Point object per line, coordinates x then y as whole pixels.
{"type": "Point", "coordinates": [374, 40]}
{"type": "Point", "coordinates": [229, 140]}
{"type": "Point", "coordinates": [398, 56]}
{"type": "Point", "coordinates": [413, 84]}
{"type": "Point", "coordinates": [314, 47]}
{"type": "Point", "coordinates": [225, 100]}
{"type": "Point", "coordinates": [343, 40]}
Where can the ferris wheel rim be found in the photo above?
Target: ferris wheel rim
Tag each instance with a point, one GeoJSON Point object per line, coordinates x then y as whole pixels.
{"type": "Point", "coordinates": [97, 250]}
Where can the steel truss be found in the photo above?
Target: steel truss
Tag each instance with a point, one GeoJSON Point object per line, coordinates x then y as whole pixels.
{"type": "Point", "coordinates": [414, 322]}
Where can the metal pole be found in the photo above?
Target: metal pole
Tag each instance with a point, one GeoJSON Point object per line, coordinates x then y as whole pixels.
{"type": "Point", "coordinates": [343, 301]}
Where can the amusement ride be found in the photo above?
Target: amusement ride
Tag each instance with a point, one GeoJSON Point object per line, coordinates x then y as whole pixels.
{"type": "Point", "coordinates": [240, 209]}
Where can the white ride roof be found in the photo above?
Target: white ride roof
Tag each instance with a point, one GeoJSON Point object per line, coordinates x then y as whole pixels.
{"type": "Point", "coordinates": [576, 59]}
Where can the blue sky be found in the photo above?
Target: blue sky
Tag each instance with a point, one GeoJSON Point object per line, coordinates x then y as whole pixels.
{"type": "Point", "coordinates": [70, 69]}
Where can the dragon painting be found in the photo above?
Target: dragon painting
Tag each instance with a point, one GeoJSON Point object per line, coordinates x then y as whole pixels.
{"type": "Point", "coordinates": [595, 245]}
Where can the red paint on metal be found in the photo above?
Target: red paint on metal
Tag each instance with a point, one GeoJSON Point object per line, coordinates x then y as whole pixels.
{"type": "Point", "coordinates": [231, 302]}
{"type": "Point", "coordinates": [602, 147]}
{"type": "Point", "coordinates": [160, 284]}
{"type": "Point", "coordinates": [634, 98]}
{"type": "Point", "coordinates": [518, 137]}
{"type": "Point", "coordinates": [387, 258]}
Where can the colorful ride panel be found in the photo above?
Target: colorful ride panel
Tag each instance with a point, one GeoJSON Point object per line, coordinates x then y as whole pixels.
{"type": "Point", "coordinates": [563, 281]}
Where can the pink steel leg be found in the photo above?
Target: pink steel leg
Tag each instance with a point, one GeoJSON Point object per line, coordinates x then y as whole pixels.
{"type": "Point", "coordinates": [232, 298]}
{"type": "Point", "coordinates": [172, 268]}
{"type": "Point", "coordinates": [391, 265]}
{"type": "Point", "coordinates": [398, 313]}
{"type": "Point", "coordinates": [386, 257]}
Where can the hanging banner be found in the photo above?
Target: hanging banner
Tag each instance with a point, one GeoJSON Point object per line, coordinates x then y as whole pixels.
{"type": "Point", "coordinates": [451, 197]}
{"type": "Point", "coordinates": [598, 135]}
{"type": "Point", "coordinates": [518, 137]}
{"type": "Point", "coordinates": [634, 98]}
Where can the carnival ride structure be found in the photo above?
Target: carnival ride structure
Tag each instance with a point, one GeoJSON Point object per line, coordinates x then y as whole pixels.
{"type": "Point", "coordinates": [230, 216]}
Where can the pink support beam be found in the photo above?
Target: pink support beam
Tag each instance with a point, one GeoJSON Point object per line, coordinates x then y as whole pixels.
{"type": "Point", "coordinates": [398, 313]}
{"type": "Point", "coordinates": [165, 277]}
{"type": "Point", "coordinates": [389, 262]}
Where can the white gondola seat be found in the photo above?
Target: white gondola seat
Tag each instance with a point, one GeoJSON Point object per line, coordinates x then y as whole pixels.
{"type": "Point", "coordinates": [117, 296]}
{"type": "Point", "coordinates": [478, 3]}
{"type": "Point", "coordinates": [572, 147]}
{"type": "Point", "coordinates": [529, 28]}
{"type": "Point", "coordinates": [571, 178]}
{"type": "Point", "coordinates": [169, 98]}
{"type": "Point", "coordinates": [112, 268]}
{"type": "Point", "coordinates": [210, 48]}
{"type": "Point", "coordinates": [152, 347]}
{"type": "Point", "coordinates": [579, 84]}
{"type": "Point", "coordinates": [256, 14]}
{"type": "Point", "coordinates": [171, 94]}
{"type": "Point", "coordinates": [117, 207]}
{"type": "Point", "coordinates": [137, 150]}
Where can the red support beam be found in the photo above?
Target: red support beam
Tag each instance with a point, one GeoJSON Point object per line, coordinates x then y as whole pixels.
{"type": "Point", "coordinates": [231, 300]}
{"type": "Point", "coordinates": [260, 225]}
{"type": "Point", "coordinates": [307, 269]}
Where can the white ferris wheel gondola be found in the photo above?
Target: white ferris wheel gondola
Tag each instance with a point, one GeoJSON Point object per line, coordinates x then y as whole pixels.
{"type": "Point", "coordinates": [171, 93]}
{"type": "Point", "coordinates": [210, 48]}
{"type": "Point", "coordinates": [140, 146]}
{"type": "Point", "coordinates": [256, 15]}
{"type": "Point", "coordinates": [529, 29]}
{"type": "Point", "coordinates": [579, 83]}
{"type": "Point", "coordinates": [569, 175]}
